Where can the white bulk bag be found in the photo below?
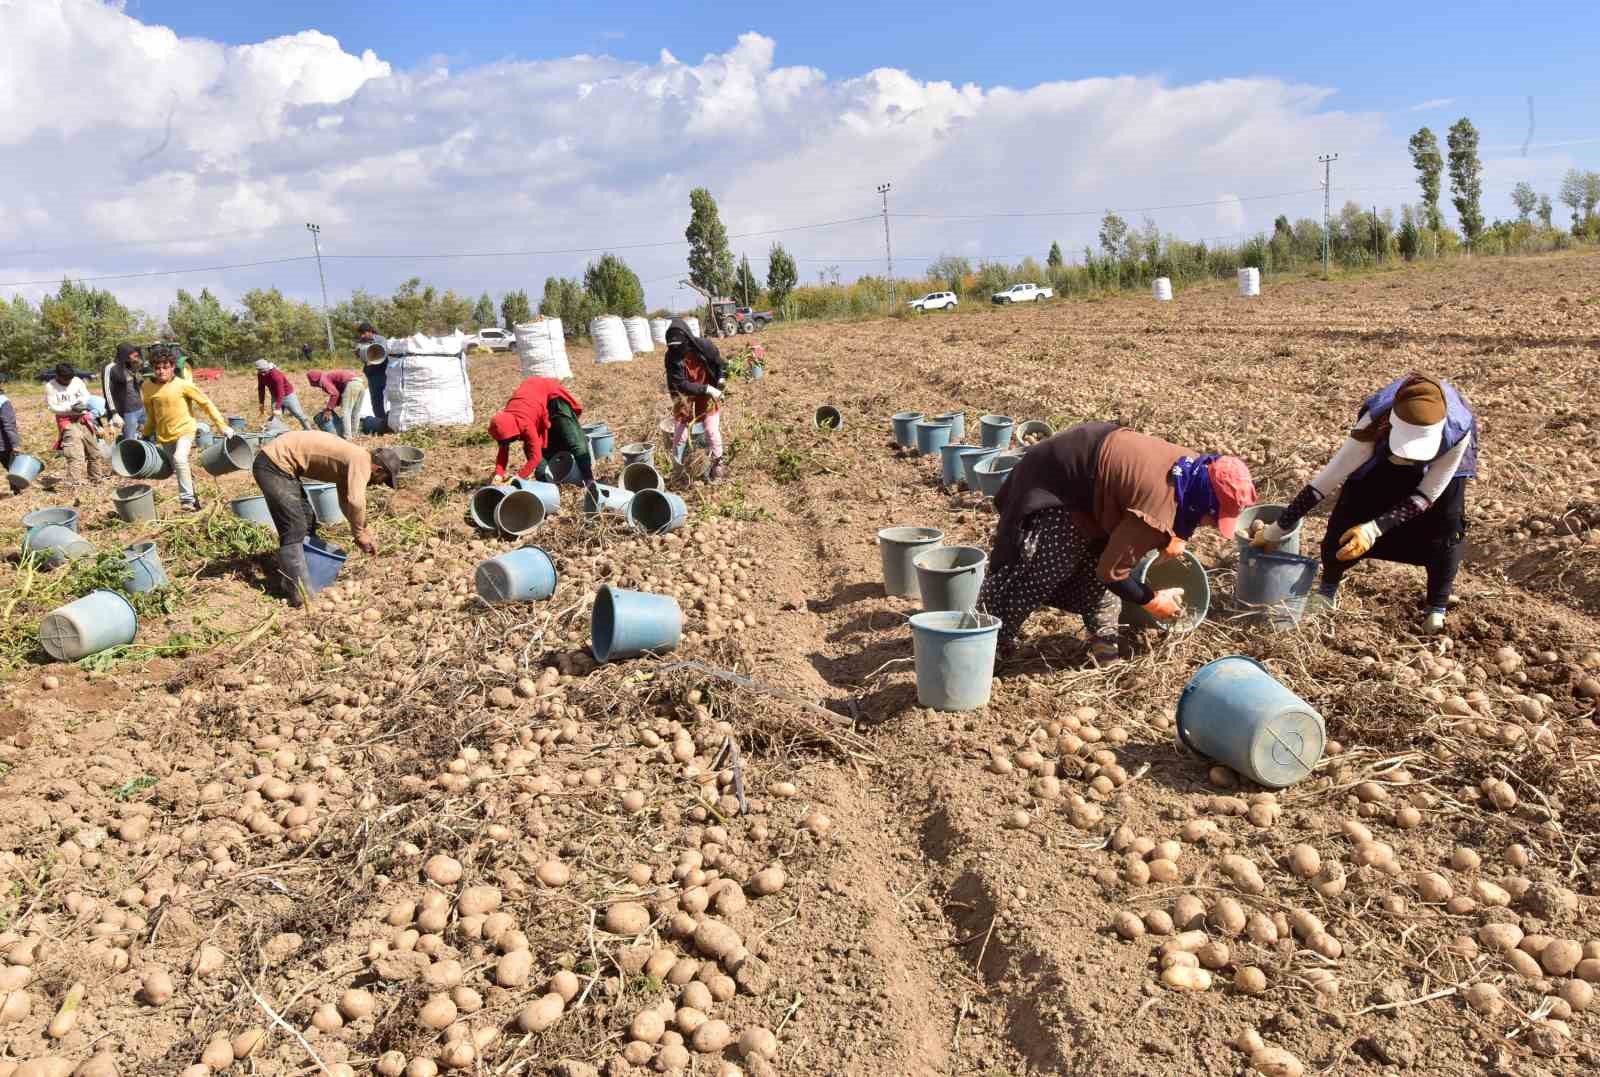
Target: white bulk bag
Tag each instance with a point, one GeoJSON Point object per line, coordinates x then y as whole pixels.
{"type": "Point", "coordinates": [428, 383]}
{"type": "Point", "coordinates": [638, 330]}
{"type": "Point", "coordinates": [542, 349]}
{"type": "Point", "coordinates": [1163, 289]}
{"type": "Point", "coordinates": [658, 329]}
{"type": "Point", "coordinates": [694, 325]}
{"type": "Point", "coordinates": [610, 338]}
{"type": "Point", "coordinates": [1249, 282]}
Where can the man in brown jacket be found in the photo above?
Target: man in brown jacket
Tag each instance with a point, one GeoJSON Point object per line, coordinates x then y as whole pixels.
{"type": "Point", "coordinates": [311, 454]}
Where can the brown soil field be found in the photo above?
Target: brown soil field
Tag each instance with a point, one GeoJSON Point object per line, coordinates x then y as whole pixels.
{"type": "Point", "coordinates": [407, 832]}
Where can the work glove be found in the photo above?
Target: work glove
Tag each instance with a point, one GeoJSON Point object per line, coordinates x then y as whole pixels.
{"type": "Point", "coordinates": [713, 392]}
{"type": "Point", "coordinates": [1174, 549]}
{"type": "Point", "coordinates": [1166, 605]}
{"type": "Point", "coordinates": [1358, 541]}
{"type": "Point", "coordinates": [1269, 539]}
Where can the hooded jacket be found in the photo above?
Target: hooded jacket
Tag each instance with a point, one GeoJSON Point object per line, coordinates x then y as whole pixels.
{"type": "Point", "coordinates": [526, 417]}
{"type": "Point", "coordinates": [10, 438]}
{"type": "Point", "coordinates": [332, 382]}
{"type": "Point", "coordinates": [680, 342]}
{"type": "Point", "coordinates": [119, 383]}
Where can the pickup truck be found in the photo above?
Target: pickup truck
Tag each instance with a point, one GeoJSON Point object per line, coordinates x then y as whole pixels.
{"type": "Point", "coordinates": [751, 320]}
{"type": "Point", "coordinates": [491, 340]}
{"type": "Point", "coordinates": [1023, 293]}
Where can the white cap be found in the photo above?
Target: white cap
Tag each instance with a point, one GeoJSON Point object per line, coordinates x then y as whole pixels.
{"type": "Point", "coordinates": [263, 365]}
{"type": "Point", "coordinates": [1412, 442]}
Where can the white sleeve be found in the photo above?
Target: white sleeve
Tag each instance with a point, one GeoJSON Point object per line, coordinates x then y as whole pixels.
{"type": "Point", "coordinates": [1442, 470]}
{"type": "Point", "coordinates": [1351, 455]}
{"type": "Point", "coordinates": [56, 397]}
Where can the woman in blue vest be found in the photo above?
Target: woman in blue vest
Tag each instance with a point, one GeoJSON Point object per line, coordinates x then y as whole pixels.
{"type": "Point", "coordinates": [1402, 482]}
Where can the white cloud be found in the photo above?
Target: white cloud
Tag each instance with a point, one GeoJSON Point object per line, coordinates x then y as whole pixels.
{"type": "Point", "coordinates": [1431, 104]}
{"type": "Point", "coordinates": [151, 136]}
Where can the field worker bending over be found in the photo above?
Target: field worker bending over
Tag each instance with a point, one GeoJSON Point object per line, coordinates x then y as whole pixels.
{"type": "Point", "coordinates": [1081, 509]}
{"type": "Point", "coordinates": [543, 416]}
{"type": "Point", "coordinates": [272, 381]}
{"type": "Point", "coordinates": [1402, 481]}
{"type": "Point", "coordinates": [346, 389]}
{"type": "Point", "coordinates": [168, 418]}
{"type": "Point", "coordinates": [312, 455]}
{"type": "Point", "coordinates": [695, 376]}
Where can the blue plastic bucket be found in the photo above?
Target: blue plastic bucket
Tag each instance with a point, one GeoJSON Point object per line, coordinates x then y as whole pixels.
{"type": "Point", "coordinates": [1274, 585]}
{"type": "Point", "coordinates": [599, 498]}
{"type": "Point", "coordinates": [955, 658]}
{"type": "Point", "coordinates": [140, 460]}
{"type": "Point", "coordinates": [564, 467]}
{"type": "Point", "coordinates": [484, 501]}
{"type": "Point", "coordinates": [237, 422]}
{"type": "Point", "coordinates": [638, 452]}
{"type": "Point", "coordinates": [518, 512]}
{"type": "Point", "coordinates": [325, 423]}
{"type": "Point", "coordinates": [656, 512]}
{"type": "Point", "coordinates": [601, 444]}
{"type": "Point", "coordinates": [524, 575]}
{"type": "Point", "coordinates": [144, 567]}
{"type": "Point", "coordinates": [58, 544]}
{"type": "Point", "coordinates": [931, 436]}
{"type": "Point", "coordinates": [23, 471]}
{"type": "Point", "coordinates": [950, 464]}
{"type": "Point", "coordinates": [994, 431]}
{"type": "Point", "coordinates": [992, 471]}
{"type": "Point", "coordinates": [323, 563]}
{"type": "Point", "coordinates": [897, 548]}
{"type": "Point", "coordinates": [828, 417]}
{"type": "Point", "coordinates": [52, 517]}
{"type": "Point", "coordinates": [547, 492]}
{"type": "Point", "coordinates": [592, 429]}
{"type": "Point", "coordinates": [905, 428]}
{"type": "Point", "coordinates": [957, 421]}
{"type": "Point", "coordinates": [1185, 572]}
{"type": "Point", "coordinates": [98, 620]}
{"type": "Point", "coordinates": [225, 455]}
{"type": "Point", "coordinates": [642, 476]}
{"type": "Point", "coordinates": [1267, 514]}
{"type": "Point", "coordinates": [324, 498]}
{"type": "Point", "coordinates": [1236, 712]}
{"type": "Point", "coordinates": [949, 577]}
{"type": "Point", "coordinates": [626, 624]}
{"type": "Point", "coordinates": [134, 503]}
{"type": "Point", "coordinates": [971, 456]}
{"type": "Point", "coordinates": [1037, 429]}
{"type": "Point", "coordinates": [252, 509]}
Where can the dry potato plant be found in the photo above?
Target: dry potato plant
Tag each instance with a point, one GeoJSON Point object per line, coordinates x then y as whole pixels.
{"type": "Point", "coordinates": [407, 832]}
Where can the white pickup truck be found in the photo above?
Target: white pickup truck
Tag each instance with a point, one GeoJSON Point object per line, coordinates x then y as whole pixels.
{"type": "Point", "coordinates": [1022, 293]}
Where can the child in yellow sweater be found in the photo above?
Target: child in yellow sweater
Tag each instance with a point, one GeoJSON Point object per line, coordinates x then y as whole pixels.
{"type": "Point", "coordinates": [168, 419]}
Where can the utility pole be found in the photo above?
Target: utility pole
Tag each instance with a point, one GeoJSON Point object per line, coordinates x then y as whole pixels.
{"type": "Point", "coordinates": [1326, 160]}
{"type": "Point", "coordinates": [888, 253]}
{"type": "Point", "coordinates": [316, 245]}
{"type": "Point", "coordinates": [744, 272]}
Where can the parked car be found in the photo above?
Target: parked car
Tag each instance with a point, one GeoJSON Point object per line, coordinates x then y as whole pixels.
{"type": "Point", "coordinates": [751, 320]}
{"type": "Point", "coordinates": [1023, 293]}
{"type": "Point", "coordinates": [493, 340]}
{"type": "Point", "coordinates": [935, 301]}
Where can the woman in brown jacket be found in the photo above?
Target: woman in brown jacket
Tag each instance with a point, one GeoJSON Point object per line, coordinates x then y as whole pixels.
{"type": "Point", "coordinates": [1081, 509]}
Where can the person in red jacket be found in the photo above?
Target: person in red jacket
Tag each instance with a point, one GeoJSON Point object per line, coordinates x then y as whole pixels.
{"type": "Point", "coordinates": [543, 416]}
{"type": "Point", "coordinates": [346, 390]}
{"type": "Point", "coordinates": [271, 380]}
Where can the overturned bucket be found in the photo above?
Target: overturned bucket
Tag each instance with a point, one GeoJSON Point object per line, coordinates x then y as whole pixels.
{"type": "Point", "coordinates": [224, 455]}
{"type": "Point", "coordinates": [518, 512]}
{"type": "Point", "coordinates": [24, 469]}
{"type": "Point", "coordinates": [905, 428]}
{"type": "Point", "coordinates": [827, 417]}
{"type": "Point", "coordinates": [547, 492]}
{"type": "Point", "coordinates": [564, 469]}
{"type": "Point", "coordinates": [58, 544]}
{"type": "Point", "coordinates": [1235, 712]}
{"type": "Point", "coordinates": [97, 621]}
{"type": "Point", "coordinates": [642, 476]}
{"type": "Point", "coordinates": [140, 460]}
{"type": "Point", "coordinates": [135, 502]}
{"type": "Point", "coordinates": [626, 624]}
{"type": "Point", "coordinates": [897, 548]}
{"type": "Point", "coordinates": [598, 499]}
{"type": "Point", "coordinates": [950, 577]}
{"type": "Point", "coordinates": [484, 501]}
{"type": "Point", "coordinates": [955, 658]}
{"type": "Point", "coordinates": [1160, 574]}
{"type": "Point", "coordinates": [656, 512]}
{"type": "Point", "coordinates": [144, 567]}
{"type": "Point", "coordinates": [523, 575]}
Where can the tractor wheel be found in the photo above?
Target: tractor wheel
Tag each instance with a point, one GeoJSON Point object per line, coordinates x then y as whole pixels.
{"type": "Point", "coordinates": [729, 327]}
{"type": "Point", "coordinates": [747, 327]}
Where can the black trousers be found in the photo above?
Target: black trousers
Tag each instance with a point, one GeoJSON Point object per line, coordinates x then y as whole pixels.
{"type": "Point", "coordinates": [1434, 540]}
{"type": "Point", "coordinates": [294, 518]}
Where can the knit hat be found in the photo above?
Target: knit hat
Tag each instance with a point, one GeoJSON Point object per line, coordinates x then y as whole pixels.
{"type": "Point", "coordinates": [263, 365]}
{"type": "Point", "coordinates": [1231, 482]}
{"type": "Point", "coordinates": [504, 426]}
{"type": "Point", "coordinates": [1416, 423]}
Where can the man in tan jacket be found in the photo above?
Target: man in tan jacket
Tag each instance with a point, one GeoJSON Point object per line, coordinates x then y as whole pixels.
{"type": "Point", "coordinates": [311, 454]}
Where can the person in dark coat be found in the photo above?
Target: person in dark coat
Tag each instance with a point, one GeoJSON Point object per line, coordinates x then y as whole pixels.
{"type": "Point", "coordinates": [1083, 508]}
{"type": "Point", "coordinates": [120, 382]}
{"type": "Point", "coordinates": [1401, 477]}
{"type": "Point", "coordinates": [375, 365]}
{"type": "Point", "coordinates": [542, 415]}
{"type": "Point", "coordinates": [10, 437]}
{"type": "Point", "coordinates": [696, 374]}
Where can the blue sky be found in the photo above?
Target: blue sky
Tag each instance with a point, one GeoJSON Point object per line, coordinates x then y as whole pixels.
{"type": "Point", "coordinates": [488, 146]}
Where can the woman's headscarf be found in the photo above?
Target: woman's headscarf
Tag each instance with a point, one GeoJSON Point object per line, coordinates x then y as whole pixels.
{"type": "Point", "coordinates": [1191, 478]}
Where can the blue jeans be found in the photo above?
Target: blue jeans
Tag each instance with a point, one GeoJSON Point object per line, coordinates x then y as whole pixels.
{"type": "Point", "coordinates": [291, 406]}
{"type": "Point", "coordinates": [377, 378]}
{"type": "Point", "coordinates": [131, 422]}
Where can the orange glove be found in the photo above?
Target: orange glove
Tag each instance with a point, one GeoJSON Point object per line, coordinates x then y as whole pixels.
{"type": "Point", "coordinates": [1358, 541]}
{"type": "Point", "coordinates": [1166, 605]}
